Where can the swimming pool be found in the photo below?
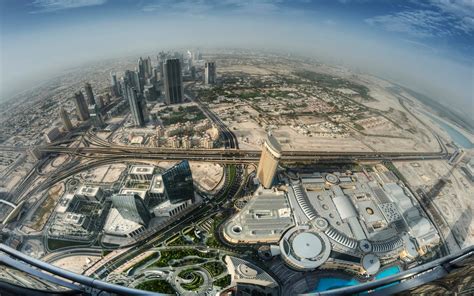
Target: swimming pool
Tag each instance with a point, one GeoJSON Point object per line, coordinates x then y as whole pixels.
{"type": "Point", "coordinates": [387, 272]}
{"type": "Point", "coordinates": [325, 284]}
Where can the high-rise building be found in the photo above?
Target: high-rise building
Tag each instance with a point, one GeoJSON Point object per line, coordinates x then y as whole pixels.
{"type": "Point", "coordinates": [210, 73]}
{"type": "Point", "coordinates": [193, 72]}
{"type": "Point", "coordinates": [81, 106]}
{"type": "Point", "coordinates": [114, 85]}
{"type": "Point", "coordinates": [137, 106]}
{"type": "Point", "coordinates": [141, 68]}
{"type": "Point", "coordinates": [148, 67]}
{"type": "Point", "coordinates": [268, 164]}
{"type": "Point", "coordinates": [65, 119]}
{"type": "Point", "coordinates": [100, 102]}
{"type": "Point", "coordinates": [96, 116]}
{"type": "Point", "coordinates": [161, 62]}
{"type": "Point", "coordinates": [137, 81]}
{"type": "Point", "coordinates": [131, 207]}
{"type": "Point", "coordinates": [52, 134]}
{"type": "Point", "coordinates": [178, 182]}
{"type": "Point", "coordinates": [173, 82]}
{"type": "Point", "coordinates": [89, 94]}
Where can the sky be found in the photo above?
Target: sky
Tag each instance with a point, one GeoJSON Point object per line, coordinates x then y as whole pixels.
{"type": "Point", "coordinates": [425, 45]}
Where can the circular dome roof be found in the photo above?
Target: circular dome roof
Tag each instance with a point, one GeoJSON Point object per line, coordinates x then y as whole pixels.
{"type": "Point", "coordinates": [307, 245]}
{"type": "Point", "coordinates": [371, 264]}
{"type": "Point", "coordinates": [331, 178]}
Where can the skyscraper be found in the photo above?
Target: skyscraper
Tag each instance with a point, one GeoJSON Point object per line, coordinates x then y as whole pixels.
{"type": "Point", "coordinates": [148, 67]}
{"type": "Point", "coordinates": [210, 73]}
{"type": "Point", "coordinates": [114, 85]}
{"type": "Point", "coordinates": [141, 68]}
{"type": "Point", "coordinates": [96, 117]}
{"type": "Point", "coordinates": [89, 94]}
{"type": "Point", "coordinates": [65, 119]}
{"type": "Point", "coordinates": [161, 62]}
{"type": "Point", "coordinates": [178, 182]}
{"type": "Point", "coordinates": [268, 164]}
{"type": "Point", "coordinates": [137, 106]}
{"type": "Point", "coordinates": [81, 106]}
{"type": "Point", "coordinates": [173, 81]}
{"type": "Point", "coordinates": [137, 81]}
{"type": "Point", "coordinates": [131, 207]}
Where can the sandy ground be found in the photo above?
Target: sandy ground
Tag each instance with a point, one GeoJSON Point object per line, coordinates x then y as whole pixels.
{"type": "Point", "coordinates": [206, 175]}
{"type": "Point", "coordinates": [76, 264]}
{"type": "Point", "coordinates": [403, 133]}
{"type": "Point", "coordinates": [454, 202]}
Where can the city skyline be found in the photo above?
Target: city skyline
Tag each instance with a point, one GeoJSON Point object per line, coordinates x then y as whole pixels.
{"type": "Point", "coordinates": [427, 47]}
{"type": "Point", "coordinates": [256, 147]}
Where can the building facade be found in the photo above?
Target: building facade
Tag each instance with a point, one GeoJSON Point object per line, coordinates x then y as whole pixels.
{"type": "Point", "coordinates": [210, 73]}
{"type": "Point", "coordinates": [89, 94]}
{"type": "Point", "coordinates": [131, 207]}
{"type": "Point", "coordinates": [173, 81]}
{"type": "Point", "coordinates": [178, 182]}
{"type": "Point", "coordinates": [65, 119]}
{"type": "Point", "coordinates": [268, 164]}
{"type": "Point", "coordinates": [81, 106]}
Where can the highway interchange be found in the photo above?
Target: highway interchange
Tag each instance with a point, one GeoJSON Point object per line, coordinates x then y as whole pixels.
{"type": "Point", "coordinates": [91, 151]}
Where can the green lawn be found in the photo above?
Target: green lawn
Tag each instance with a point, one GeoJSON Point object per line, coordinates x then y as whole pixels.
{"type": "Point", "coordinates": [214, 268]}
{"type": "Point", "coordinates": [54, 244]}
{"type": "Point", "coordinates": [168, 255]}
{"type": "Point", "coordinates": [160, 286]}
{"type": "Point", "coordinates": [223, 281]}
{"type": "Point", "coordinates": [197, 280]}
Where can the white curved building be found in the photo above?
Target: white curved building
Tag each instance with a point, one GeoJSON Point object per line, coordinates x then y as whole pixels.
{"type": "Point", "coordinates": [268, 164]}
{"type": "Point", "coordinates": [304, 249]}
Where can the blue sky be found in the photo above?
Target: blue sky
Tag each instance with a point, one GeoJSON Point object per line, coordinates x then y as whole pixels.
{"type": "Point", "coordinates": [380, 36]}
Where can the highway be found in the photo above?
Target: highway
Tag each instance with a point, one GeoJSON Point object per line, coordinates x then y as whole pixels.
{"type": "Point", "coordinates": [234, 155]}
{"type": "Point", "coordinates": [230, 140]}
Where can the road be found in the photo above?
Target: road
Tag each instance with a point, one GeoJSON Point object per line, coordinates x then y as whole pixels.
{"type": "Point", "coordinates": [230, 140]}
{"type": "Point", "coordinates": [234, 155]}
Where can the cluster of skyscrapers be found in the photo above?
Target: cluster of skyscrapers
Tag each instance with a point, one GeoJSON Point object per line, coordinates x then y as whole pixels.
{"type": "Point", "coordinates": [85, 109]}
{"type": "Point", "coordinates": [166, 195]}
{"type": "Point", "coordinates": [138, 87]}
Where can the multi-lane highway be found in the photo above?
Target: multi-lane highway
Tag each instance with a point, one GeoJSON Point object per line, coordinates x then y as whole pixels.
{"type": "Point", "coordinates": [234, 155]}
{"type": "Point", "coordinates": [229, 138]}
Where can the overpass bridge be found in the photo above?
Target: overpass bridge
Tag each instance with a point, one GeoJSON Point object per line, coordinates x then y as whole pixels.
{"type": "Point", "coordinates": [231, 155]}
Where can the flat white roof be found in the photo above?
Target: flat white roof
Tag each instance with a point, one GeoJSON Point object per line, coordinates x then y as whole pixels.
{"type": "Point", "coordinates": [88, 190]}
{"type": "Point", "coordinates": [157, 184]}
{"type": "Point", "coordinates": [139, 192]}
{"type": "Point", "coordinates": [306, 245]}
{"type": "Point", "coordinates": [64, 203]}
{"type": "Point", "coordinates": [141, 169]}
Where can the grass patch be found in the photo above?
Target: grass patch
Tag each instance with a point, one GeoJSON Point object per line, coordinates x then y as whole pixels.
{"type": "Point", "coordinates": [54, 244]}
{"type": "Point", "coordinates": [189, 261]}
{"type": "Point", "coordinates": [223, 281]}
{"type": "Point", "coordinates": [181, 115]}
{"type": "Point", "coordinates": [214, 268]}
{"type": "Point", "coordinates": [160, 286]}
{"type": "Point", "coordinates": [146, 259]}
{"type": "Point", "coordinates": [196, 280]}
{"type": "Point", "coordinates": [168, 255]}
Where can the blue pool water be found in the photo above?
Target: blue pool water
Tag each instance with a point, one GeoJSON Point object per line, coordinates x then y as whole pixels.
{"type": "Point", "coordinates": [325, 284]}
{"type": "Point", "coordinates": [387, 272]}
{"type": "Point", "coordinates": [454, 134]}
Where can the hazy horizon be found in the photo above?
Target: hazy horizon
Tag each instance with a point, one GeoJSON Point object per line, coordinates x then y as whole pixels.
{"type": "Point", "coordinates": [427, 47]}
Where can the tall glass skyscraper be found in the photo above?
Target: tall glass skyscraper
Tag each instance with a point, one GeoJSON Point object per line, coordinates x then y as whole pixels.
{"type": "Point", "coordinates": [81, 106]}
{"type": "Point", "coordinates": [137, 105]}
{"type": "Point", "coordinates": [173, 81]}
{"type": "Point", "coordinates": [178, 183]}
{"type": "Point", "coordinates": [131, 207]}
